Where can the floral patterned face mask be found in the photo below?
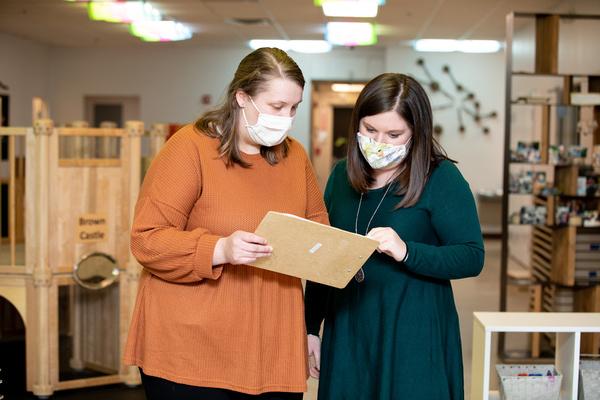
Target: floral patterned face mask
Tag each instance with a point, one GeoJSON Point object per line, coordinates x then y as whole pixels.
{"type": "Point", "coordinates": [381, 155]}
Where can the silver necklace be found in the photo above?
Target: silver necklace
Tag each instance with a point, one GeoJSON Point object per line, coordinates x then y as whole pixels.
{"type": "Point", "coordinates": [360, 275]}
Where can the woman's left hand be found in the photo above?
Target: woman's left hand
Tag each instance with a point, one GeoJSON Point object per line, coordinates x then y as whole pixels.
{"type": "Point", "coordinates": [389, 242]}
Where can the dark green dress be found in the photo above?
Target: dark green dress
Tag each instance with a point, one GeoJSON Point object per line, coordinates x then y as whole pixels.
{"type": "Point", "coordinates": [395, 336]}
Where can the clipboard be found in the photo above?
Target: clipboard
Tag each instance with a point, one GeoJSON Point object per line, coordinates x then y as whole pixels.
{"type": "Point", "coordinates": [312, 251]}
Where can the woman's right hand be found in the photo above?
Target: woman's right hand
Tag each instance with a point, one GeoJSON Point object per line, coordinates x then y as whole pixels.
{"type": "Point", "coordinates": [314, 355]}
{"type": "Point", "coordinates": [240, 248]}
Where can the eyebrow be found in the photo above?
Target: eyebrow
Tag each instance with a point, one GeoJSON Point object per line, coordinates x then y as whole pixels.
{"type": "Point", "coordinates": [283, 102]}
{"type": "Point", "coordinates": [393, 130]}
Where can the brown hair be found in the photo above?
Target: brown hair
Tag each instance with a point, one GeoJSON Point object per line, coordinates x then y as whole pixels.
{"type": "Point", "coordinates": [251, 75]}
{"type": "Point", "coordinates": [403, 94]}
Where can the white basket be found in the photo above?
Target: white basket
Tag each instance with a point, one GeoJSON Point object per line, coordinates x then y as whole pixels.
{"type": "Point", "coordinates": [589, 379]}
{"type": "Point", "coordinates": [514, 387]}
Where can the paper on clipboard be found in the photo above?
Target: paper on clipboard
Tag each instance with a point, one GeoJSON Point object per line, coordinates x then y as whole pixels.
{"type": "Point", "coordinates": [312, 251]}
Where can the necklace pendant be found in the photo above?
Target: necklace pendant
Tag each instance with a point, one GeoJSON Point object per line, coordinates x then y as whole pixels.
{"type": "Point", "coordinates": [360, 276]}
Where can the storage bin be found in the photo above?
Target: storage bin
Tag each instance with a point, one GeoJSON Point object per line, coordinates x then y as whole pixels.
{"type": "Point", "coordinates": [589, 379]}
{"type": "Point", "coordinates": [542, 382]}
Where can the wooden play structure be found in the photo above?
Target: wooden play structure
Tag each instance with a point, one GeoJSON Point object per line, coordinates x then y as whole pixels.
{"type": "Point", "coordinates": [71, 194]}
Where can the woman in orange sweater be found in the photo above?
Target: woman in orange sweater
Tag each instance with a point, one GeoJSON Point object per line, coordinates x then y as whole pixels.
{"type": "Point", "coordinates": [205, 324]}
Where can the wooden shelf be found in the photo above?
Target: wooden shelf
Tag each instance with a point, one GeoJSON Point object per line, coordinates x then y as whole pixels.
{"type": "Point", "coordinates": [538, 322]}
{"type": "Point", "coordinates": [527, 163]}
{"type": "Point", "coordinates": [560, 255]}
{"type": "Point", "coordinates": [567, 326]}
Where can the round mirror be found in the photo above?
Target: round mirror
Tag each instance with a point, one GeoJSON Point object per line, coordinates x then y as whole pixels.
{"type": "Point", "coordinates": [96, 271]}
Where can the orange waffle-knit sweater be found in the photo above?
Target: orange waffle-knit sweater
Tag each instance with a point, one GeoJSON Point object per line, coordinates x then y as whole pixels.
{"type": "Point", "coordinates": [230, 326]}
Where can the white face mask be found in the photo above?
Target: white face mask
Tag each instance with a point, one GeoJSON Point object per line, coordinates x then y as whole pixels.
{"type": "Point", "coordinates": [269, 130]}
{"type": "Point", "coordinates": [381, 155]}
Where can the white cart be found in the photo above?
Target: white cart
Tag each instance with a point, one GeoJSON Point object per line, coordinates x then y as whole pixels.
{"type": "Point", "coordinates": [567, 326]}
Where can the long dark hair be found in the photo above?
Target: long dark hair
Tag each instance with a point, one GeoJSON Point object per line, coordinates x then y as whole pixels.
{"type": "Point", "coordinates": [251, 76]}
{"type": "Point", "coordinates": [403, 94]}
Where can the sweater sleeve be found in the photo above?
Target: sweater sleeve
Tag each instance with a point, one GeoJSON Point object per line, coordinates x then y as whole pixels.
{"type": "Point", "coordinates": [455, 221]}
{"type": "Point", "coordinates": [160, 240]}
{"type": "Point", "coordinates": [316, 294]}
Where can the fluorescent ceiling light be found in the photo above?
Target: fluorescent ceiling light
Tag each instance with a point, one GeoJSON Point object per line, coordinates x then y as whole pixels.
{"type": "Point", "coordinates": [479, 46]}
{"type": "Point", "coordinates": [347, 87]}
{"type": "Point", "coordinates": [351, 8]}
{"type": "Point", "coordinates": [299, 46]}
{"type": "Point", "coordinates": [160, 31]}
{"type": "Point", "coordinates": [319, 3]}
{"type": "Point", "coordinates": [280, 44]}
{"type": "Point", "coordinates": [351, 33]}
{"type": "Point", "coordinates": [310, 46]}
{"type": "Point", "coordinates": [124, 12]}
{"type": "Point", "coordinates": [464, 46]}
{"type": "Point", "coordinates": [438, 45]}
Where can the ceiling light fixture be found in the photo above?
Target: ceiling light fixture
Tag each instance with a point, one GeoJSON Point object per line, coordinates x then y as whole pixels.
{"type": "Point", "coordinates": [258, 43]}
{"type": "Point", "coordinates": [351, 33]}
{"type": "Point", "coordinates": [122, 12]}
{"type": "Point", "coordinates": [435, 45]}
{"type": "Point", "coordinates": [320, 3]}
{"type": "Point", "coordinates": [479, 46]}
{"type": "Point", "coordinates": [160, 31]}
{"type": "Point", "coordinates": [451, 45]}
{"type": "Point", "coordinates": [347, 87]}
{"type": "Point", "coordinates": [310, 46]}
{"type": "Point", "coordinates": [351, 8]}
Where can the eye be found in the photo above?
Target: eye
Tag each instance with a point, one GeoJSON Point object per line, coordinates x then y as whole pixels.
{"type": "Point", "coordinates": [370, 130]}
{"type": "Point", "coordinates": [394, 135]}
{"type": "Point", "coordinates": [277, 107]}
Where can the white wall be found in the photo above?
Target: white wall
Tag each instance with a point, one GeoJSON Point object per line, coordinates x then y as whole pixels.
{"type": "Point", "coordinates": [480, 155]}
{"type": "Point", "coordinates": [24, 69]}
{"type": "Point", "coordinates": [171, 80]}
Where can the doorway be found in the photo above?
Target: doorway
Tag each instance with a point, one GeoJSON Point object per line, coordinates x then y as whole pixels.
{"type": "Point", "coordinates": [114, 110]}
{"type": "Point", "coordinates": [332, 104]}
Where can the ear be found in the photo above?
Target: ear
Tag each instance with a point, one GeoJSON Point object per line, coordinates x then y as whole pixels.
{"type": "Point", "coordinates": [241, 97]}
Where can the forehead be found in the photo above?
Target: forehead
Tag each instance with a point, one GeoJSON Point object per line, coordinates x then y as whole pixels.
{"type": "Point", "coordinates": [280, 89]}
{"type": "Point", "coordinates": [388, 121]}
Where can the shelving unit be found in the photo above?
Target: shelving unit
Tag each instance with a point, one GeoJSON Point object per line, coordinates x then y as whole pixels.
{"type": "Point", "coordinates": [563, 256]}
{"type": "Point", "coordinates": [568, 327]}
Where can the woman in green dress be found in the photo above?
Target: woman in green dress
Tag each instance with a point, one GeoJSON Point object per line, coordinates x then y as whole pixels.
{"type": "Point", "coordinates": [393, 332]}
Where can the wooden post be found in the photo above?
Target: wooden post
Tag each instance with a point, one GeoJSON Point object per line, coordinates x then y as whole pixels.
{"type": "Point", "coordinates": [545, 134]}
{"type": "Point", "coordinates": [78, 148]}
{"type": "Point", "coordinates": [158, 135]}
{"type": "Point", "coordinates": [42, 276]}
{"type": "Point", "coordinates": [12, 213]}
{"type": "Point", "coordinates": [135, 130]}
{"type": "Point", "coordinates": [546, 44]}
{"type": "Point", "coordinates": [588, 300]}
{"type": "Point", "coordinates": [563, 262]}
{"type": "Point", "coordinates": [535, 305]}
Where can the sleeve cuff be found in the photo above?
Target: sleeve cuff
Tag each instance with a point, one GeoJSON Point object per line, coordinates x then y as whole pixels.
{"type": "Point", "coordinates": [411, 251]}
{"type": "Point", "coordinates": [313, 328]}
{"type": "Point", "coordinates": [205, 249]}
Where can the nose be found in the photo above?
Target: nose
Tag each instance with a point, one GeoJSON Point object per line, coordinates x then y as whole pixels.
{"type": "Point", "coordinates": [380, 137]}
{"type": "Point", "coordinates": [288, 112]}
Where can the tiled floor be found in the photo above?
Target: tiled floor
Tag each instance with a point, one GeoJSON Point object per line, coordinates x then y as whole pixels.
{"type": "Point", "coordinates": [475, 294]}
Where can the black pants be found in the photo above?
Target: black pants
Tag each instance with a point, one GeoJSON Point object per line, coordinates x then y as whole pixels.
{"type": "Point", "coordinates": [161, 389]}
